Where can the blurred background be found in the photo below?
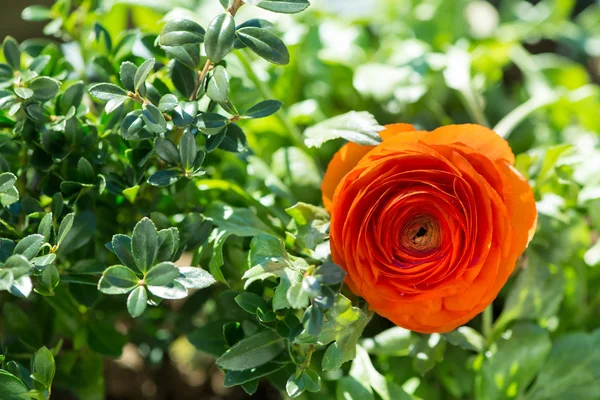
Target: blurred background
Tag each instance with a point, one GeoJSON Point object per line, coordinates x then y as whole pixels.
{"type": "Point", "coordinates": [530, 69]}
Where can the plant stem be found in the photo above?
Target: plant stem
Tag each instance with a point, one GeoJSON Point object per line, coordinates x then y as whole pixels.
{"type": "Point", "coordinates": [474, 107]}
{"type": "Point", "coordinates": [487, 321]}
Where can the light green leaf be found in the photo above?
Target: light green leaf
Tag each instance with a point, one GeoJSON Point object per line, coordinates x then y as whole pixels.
{"type": "Point", "coordinates": [284, 6]}
{"type": "Point", "coordinates": [44, 88]}
{"type": "Point", "coordinates": [65, 227]}
{"type": "Point", "coordinates": [218, 86]}
{"type": "Point", "coordinates": [252, 352]}
{"type": "Point", "coordinates": [137, 301]}
{"type": "Point", "coordinates": [107, 91]}
{"type": "Point", "coordinates": [43, 367]}
{"type": "Point", "coordinates": [162, 274]}
{"type": "Point", "coordinates": [237, 221]}
{"type": "Point", "coordinates": [195, 278]}
{"type": "Point", "coordinates": [142, 73]}
{"type": "Point", "coordinates": [29, 246]}
{"type": "Point", "coordinates": [357, 127]}
{"type": "Point", "coordinates": [11, 387]}
{"type": "Point", "coordinates": [519, 355]}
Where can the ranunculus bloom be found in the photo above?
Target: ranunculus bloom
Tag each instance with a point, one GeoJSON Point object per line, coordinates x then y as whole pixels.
{"type": "Point", "coordinates": [428, 225]}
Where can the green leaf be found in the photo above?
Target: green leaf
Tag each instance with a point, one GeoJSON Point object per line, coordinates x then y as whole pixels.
{"type": "Point", "coordinates": [36, 14]}
{"type": "Point", "coordinates": [234, 378]}
{"type": "Point", "coordinates": [514, 364]}
{"type": "Point", "coordinates": [50, 278]}
{"type": "Point", "coordinates": [82, 232]}
{"type": "Point", "coordinates": [164, 178]}
{"type": "Point", "coordinates": [218, 86]}
{"type": "Point", "coordinates": [172, 291]}
{"type": "Point", "coordinates": [43, 367]}
{"type": "Point", "coordinates": [330, 274]}
{"type": "Point", "coordinates": [142, 73]}
{"type": "Point", "coordinates": [127, 74]}
{"type": "Point", "coordinates": [252, 352]}
{"type": "Point", "coordinates": [18, 265]}
{"type": "Point", "coordinates": [154, 119]}
{"type": "Point", "coordinates": [65, 227]}
{"type": "Point", "coordinates": [536, 294]}
{"type": "Point", "coordinates": [357, 127]}
{"type": "Point", "coordinates": [237, 221]}
{"type": "Point", "coordinates": [211, 123]}
{"type": "Point", "coordinates": [571, 370]}
{"type": "Point", "coordinates": [392, 342]}
{"type": "Point", "coordinates": [184, 78]}
{"type": "Point", "coordinates": [364, 372]}
{"type": "Point", "coordinates": [296, 296]}
{"type": "Point", "coordinates": [162, 274]}
{"type": "Point", "coordinates": [29, 246]}
{"type": "Point", "coordinates": [118, 279]}
{"type": "Point", "coordinates": [313, 320]}
{"type": "Point", "coordinates": [308, 380]}
{"type": "Point", "coordinates": [121, 245]}
{"type": "Point", "coordinates": [187, 150]}
{"type": "Point", "coordinates": [179, 32]}
{"type": "Point", "coordinates": [144, 244]}
{"type": "Point", "coordinates": [7, 181]}
{"type": "Point", "coordinates": [24, 93]}
{"type": "Point", "coordinates": [169, 244]}
{"type": "Point", "coordinates": [44, 88]}
{"type": "Point", "coordinates": [265, 44]}
{"type": "Point", "coordinates": [72, 96]}
{"type": "Point", "coordinates": [466, 338]}
{"type": "Point", "coordinates": [11, 387]}
{"type": "Point", "coordinates": [184, 114]}
{"type": "Point", "coordinates": [251, 302]}
{"type": "Point", "coordinates": [106, 91]}
{"type": "Point", "coordinates": [310, 225]}
{"type": "Point", "coordinates": [168, 102]}
{"type": "Point", "coordinates": [166, 150]}
{"type": "Point", "coordinates": [195, 278]}
{"type": "Point", "coordinates": [284, 6]}
{"type": "Point", "coordinates": [263, 109]}
{"type": "Point", "coordinates": [12, 52]}
{"type": "Point", "coordinates": [137, 301]}
{"type": "Point", "coordinates": [219, 37]}
{"type": "Point", "coordinates": [234, 140]}
{"type": "Point", "coordinates": [349, 388]}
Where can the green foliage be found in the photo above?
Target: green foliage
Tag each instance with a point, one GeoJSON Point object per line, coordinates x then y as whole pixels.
{"type": "Point", "coordinates": [162, 181]}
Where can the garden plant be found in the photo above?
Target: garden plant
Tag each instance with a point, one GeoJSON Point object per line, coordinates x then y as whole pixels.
{"type": "Point", "coordinates": [333, 200]}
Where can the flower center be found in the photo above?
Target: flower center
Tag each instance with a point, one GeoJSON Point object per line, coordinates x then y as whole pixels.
{"type": "Point", "coordinates": [420, 234]}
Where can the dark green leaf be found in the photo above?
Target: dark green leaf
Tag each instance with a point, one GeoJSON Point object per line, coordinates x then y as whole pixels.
{"type": "Point", "coordinates": [234, 140]}
{"type": "Point", "coordinates": [178, 32]}
{"type": "Point", "coordinates": [187, 150]}
{"type": "Point", "coordinates": [219, 37]}
{"type": "Point", "coordinates": [184, 113]}
{"type": "Point", "coordinates": [167, 151]}
{"type": "Point", "coordinates": [72, 96]}
{"type": "Point", "coordinates": [211, 123]}
{"type": "Point", "coordinates": [44, 88]}
{"type": "Point", "coordinates": [263, 109]}
{"type": "Point", "coordinates": [154, 119]}
{"type": "Point", "coordinates": [144, 244]}
{"type": "Point", "coordinates": [121, 245]}
{"type": "Point", "coordinates": [12, 52]}
{"type": "Point", "coordinates": [251, 302]}
{"type": "Point", "coordinates": [118, 280]}
{"type": "Point", "coordinates": [265, 44]}
{"type": "Point", "coordinates": [164, 178]}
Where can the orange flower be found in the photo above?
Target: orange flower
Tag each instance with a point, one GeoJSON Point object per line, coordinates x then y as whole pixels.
{"type": "Point", "coordinates": [428, 225]}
